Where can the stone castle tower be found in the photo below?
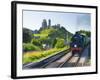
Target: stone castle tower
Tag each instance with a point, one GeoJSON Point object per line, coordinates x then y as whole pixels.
{"type": "Point", "coordinates": [49, 23]}
{"type": "Point", "coordinates": [44, 23]}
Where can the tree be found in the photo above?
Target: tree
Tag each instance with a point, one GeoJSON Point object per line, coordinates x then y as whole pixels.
{"type": "Point", "coordinates": [27, 35]}
{"type": "Point", "coordinates": [87, 33]}
{"type": "Point", "coordinates": [60, 43]}
{"type": "Point", "coordinates": [54, 42]}
{"type": "Point", "coordinates": [36, 42]}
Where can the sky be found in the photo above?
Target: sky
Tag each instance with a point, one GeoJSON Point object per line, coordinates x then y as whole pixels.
{"type": "Point", "coordinates": [71, 21]}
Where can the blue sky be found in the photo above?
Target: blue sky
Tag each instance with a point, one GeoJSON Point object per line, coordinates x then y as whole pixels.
{"type": "Point", "coordinates": [71, 21]}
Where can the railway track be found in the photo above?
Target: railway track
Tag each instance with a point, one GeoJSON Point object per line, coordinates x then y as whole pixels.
{"type": "Point", "coordinates": [70, 60]}
{"type": "Point", "coordinates": [46, 61]}
{"type": "Point", "coordinates": [62, 59]}
{"type": "Point", "coordinates": [60, 62]}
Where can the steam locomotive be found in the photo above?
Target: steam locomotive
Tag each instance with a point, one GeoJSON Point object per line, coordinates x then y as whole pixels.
{"type": "Point", "coordinates": [78, 43]}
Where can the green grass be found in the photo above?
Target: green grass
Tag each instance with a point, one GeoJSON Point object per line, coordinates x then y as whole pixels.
{"type": "Point", "coordinates": [41, 35]}
{"type": "Point", "coordinates": [48, 31]}
{"type": "Point", "coordinates": [45, 32]}
{"type": "Point", "coordinates": [37, 56]}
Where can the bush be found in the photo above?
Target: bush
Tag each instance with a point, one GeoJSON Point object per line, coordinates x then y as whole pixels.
{"type": "Point", "coordinates": [36, 56]}
{"type": "Point", "coordinates": [36, 42]}
{"type": "Point", "coordinates": [30, 47]}
{"type": "Point", "coordinates": [60, 43]}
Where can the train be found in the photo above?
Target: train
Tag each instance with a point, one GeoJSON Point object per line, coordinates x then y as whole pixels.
{"type": "Point", "coordinates": [78, 43]}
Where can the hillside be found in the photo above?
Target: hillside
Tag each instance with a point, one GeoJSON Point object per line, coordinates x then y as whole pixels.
{"type": "Point", "coordinates": [49, 34]}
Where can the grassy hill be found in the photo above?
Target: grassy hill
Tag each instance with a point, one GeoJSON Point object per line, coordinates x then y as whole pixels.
{"type": "Point", "coordinates": [53, 33]}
